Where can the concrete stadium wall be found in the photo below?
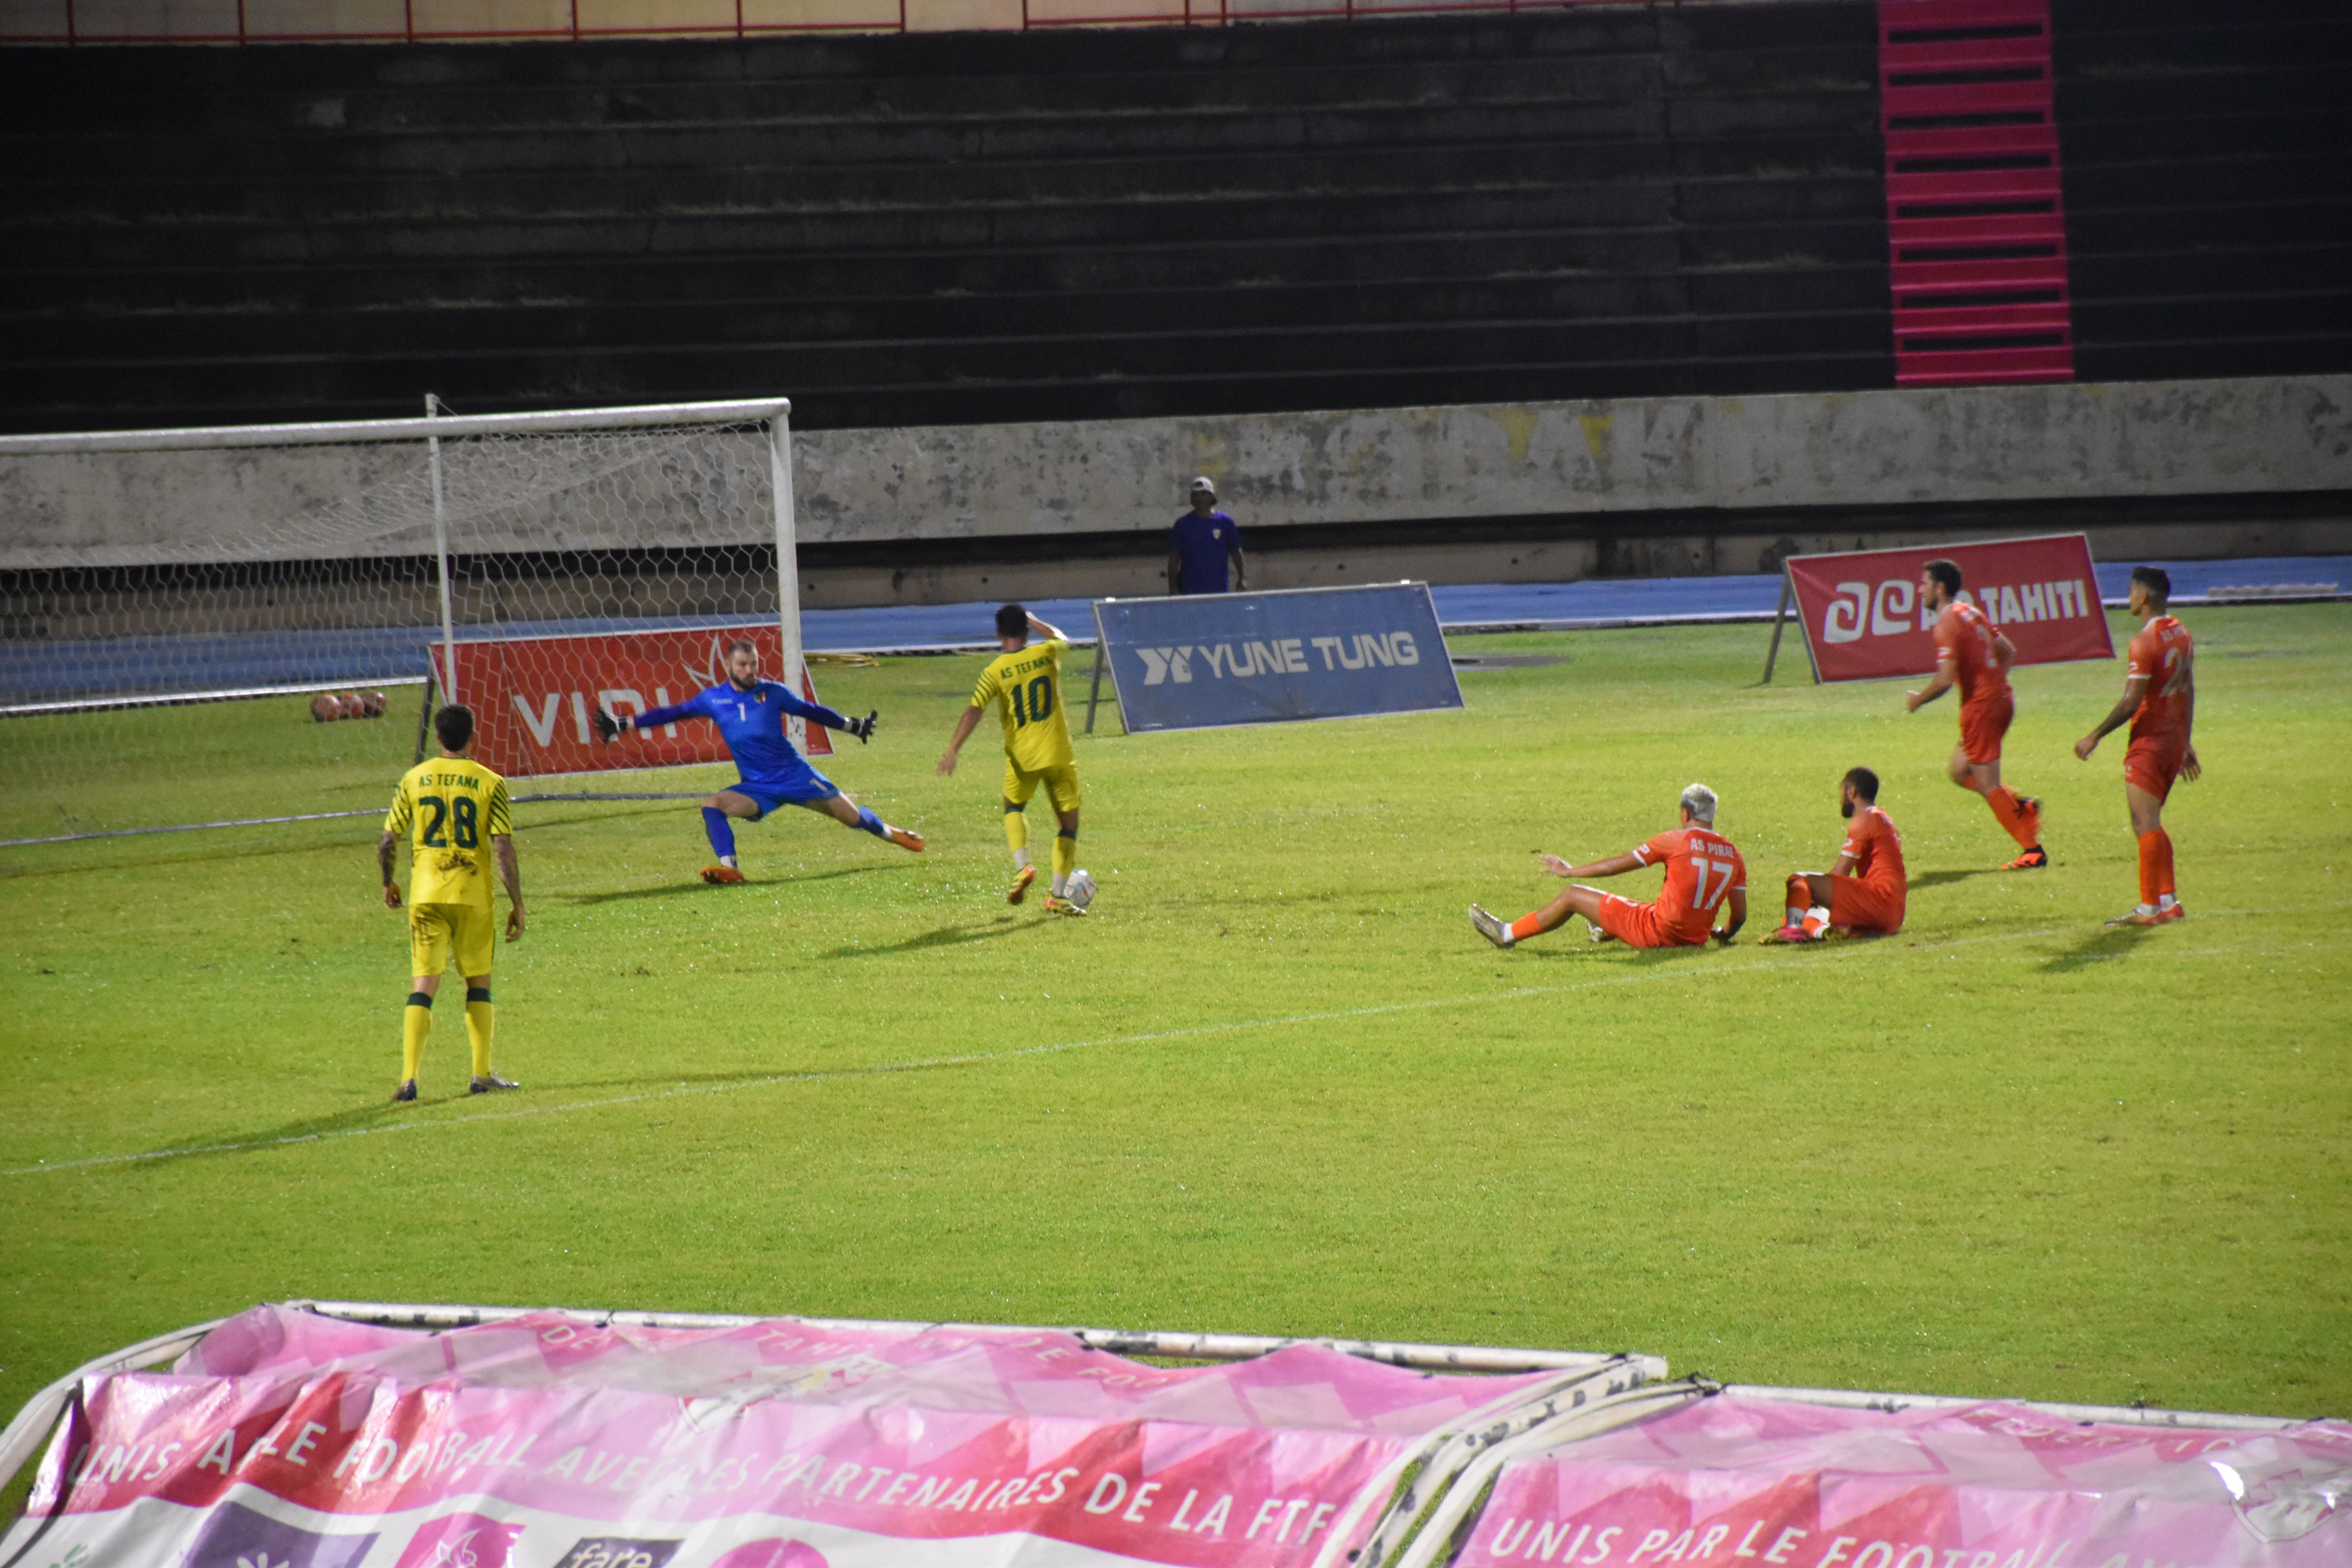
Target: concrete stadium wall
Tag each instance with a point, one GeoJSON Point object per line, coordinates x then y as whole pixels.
{"type": "Point", "coordinates": [1388, 466]}
{"type": "Point", "coordinates": [1501, 492]}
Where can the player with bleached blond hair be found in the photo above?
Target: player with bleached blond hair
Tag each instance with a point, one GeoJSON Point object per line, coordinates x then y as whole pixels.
{"type": "Point", "coordinates": [1704, 873]}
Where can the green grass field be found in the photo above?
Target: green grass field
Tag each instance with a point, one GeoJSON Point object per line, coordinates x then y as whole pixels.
{"type": "Point", "coordinates": [1276, 1083]}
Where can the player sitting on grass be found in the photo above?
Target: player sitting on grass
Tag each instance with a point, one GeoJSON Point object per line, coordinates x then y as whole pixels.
{"type": "Point", "coordinates": [455, 805]}
{"type": "Point", "coordinates": [2161, 699]}
{"type": "Point", "coordinates": [1970, 653]}
{"type": "Point", "coordinates": [751, 713]}
{"type": "Point", "coordinates": [1025, 684]}
{"type": "Point", "coordinates": [1863, 891]}
{"type": "Point", "coordinates": [1702, 871]}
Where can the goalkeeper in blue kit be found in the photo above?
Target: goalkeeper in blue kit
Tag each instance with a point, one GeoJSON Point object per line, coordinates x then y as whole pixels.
{"type": "Point", "coordinates": [750, 714]}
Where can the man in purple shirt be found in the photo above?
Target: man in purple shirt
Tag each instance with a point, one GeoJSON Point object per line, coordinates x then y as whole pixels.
{"type": "Point", "coordinates": [1204, 540]}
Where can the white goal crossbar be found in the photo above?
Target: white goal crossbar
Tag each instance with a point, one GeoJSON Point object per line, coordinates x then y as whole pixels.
{"type": "Point", "coordinates": [436, 427]}
{"type": "Point", "coordinates": [162, 568]}
{"type": "Point", "coordinates": [331, 432]}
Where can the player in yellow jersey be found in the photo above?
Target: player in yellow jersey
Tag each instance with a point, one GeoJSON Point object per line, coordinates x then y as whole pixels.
{"type": "Point", "coordinates": [1025, 682]}
{"type": "Point", "coordinates": [458, 812]}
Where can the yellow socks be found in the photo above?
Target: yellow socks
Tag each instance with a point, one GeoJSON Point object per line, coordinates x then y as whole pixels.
{"type": "Point", "coordinates": [416, 1023]}
{"type": "Point", "coordinates": [1065, 860]}
{"type": "Point", "coordinates": [479, 1017]}
{"type": "Point", "coordinates": [1016, 836]}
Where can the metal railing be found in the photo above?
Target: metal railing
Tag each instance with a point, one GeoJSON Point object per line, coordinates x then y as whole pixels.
{"type": "Point", "coordinates": [236, 22]}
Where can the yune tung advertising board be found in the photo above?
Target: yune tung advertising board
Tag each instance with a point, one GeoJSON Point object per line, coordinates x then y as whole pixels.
{"type": "Point", "coordinates": [1864, 619]}
{"type": "Point", "coordinates": [1206, 660]}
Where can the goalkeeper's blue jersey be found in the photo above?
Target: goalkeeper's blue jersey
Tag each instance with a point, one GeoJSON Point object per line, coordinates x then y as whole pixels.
{"type": "Point", "coordinates": [753, 724]}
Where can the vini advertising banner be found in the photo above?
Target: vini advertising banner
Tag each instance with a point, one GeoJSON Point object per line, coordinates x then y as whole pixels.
{"type": "Point", "coordinates": [534, 698]}
{"type": "Point", "coordinates": [1206, 661]}
{"type": "Point", "coordinates": [1864, 620]}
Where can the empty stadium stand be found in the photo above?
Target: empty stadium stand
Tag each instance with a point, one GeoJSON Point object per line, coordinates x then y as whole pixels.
{"type": "Point", "coordinates": [920, 229]}
{"type": "Point", "coordinates": [1611, 200]}
{"type": "Point", "coordinates": [2208, 186]}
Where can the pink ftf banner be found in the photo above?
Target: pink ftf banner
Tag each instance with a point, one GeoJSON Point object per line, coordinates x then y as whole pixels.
{"type": "Point", "coordinates": [1864, 620]}
{"type": "Point", "coordinates": [1742, 1483]}
{"type": "Point", "coordinates": [287, 1440]}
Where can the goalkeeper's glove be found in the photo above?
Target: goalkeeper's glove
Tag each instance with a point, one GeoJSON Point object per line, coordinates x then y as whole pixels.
{"type": "Point", "coordinates": [863, 728]}
{"type": "Point", "coordinates": [607, 727]}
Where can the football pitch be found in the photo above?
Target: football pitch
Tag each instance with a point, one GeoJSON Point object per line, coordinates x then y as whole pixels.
{"type": "Point", "coordinates": [1273, 1083]}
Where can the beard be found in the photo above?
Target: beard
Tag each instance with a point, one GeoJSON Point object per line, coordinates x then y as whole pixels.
{"type": "Point", "coordinates": [1845, 808]}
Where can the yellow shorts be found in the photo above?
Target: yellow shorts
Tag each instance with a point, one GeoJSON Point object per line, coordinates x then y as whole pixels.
{"type": "Point", "coordinates": [438, 931]}
{"type": "Point", "coordinates": [1061, 785]}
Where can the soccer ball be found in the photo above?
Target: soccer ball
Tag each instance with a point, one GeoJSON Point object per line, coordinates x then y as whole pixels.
{"type": "Point", "coordinates": [1080, 889]}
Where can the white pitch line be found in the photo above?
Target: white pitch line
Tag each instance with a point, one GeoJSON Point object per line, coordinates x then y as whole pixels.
{"type": "Point", "coordinates": [925, 1064]}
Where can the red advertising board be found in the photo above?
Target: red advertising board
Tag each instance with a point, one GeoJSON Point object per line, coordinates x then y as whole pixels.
{"type": "Point", "coordinates": [534, 698]}
{"type": "Point", "coordinates": [1864, 619]}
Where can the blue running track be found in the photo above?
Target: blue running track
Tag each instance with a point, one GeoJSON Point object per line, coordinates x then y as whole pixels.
{"type": "Point", "coordinates": [32, 672]}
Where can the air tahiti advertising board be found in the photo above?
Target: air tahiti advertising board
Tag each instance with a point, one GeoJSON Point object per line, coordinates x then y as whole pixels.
{"type": "Point", "coordinates": [1864, 619]}
{"type": "Point", "coordinates": [1206, 661]}
{"type": "Point", "coordinates": [535, 698]}
{"type": "Point", "coordinates": [286, 1439]}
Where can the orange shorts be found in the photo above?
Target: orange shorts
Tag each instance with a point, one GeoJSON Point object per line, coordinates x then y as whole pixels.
{"type": "Point", "coordinates": [2153, 762]}
{"type": "Point", "coordinates": [1865, 907]}
{"type": "Point", "coordinates": [1638, 925]}
{"type": "Point", "coordinates": [1983, 724]}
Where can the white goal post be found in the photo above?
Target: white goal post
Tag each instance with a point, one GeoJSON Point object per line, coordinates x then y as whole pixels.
{"type": "Point", "coordinates": [146, 571]}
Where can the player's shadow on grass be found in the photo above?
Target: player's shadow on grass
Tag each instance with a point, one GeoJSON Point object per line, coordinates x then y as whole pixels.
{"type": "Point", "coordinates": [1944, 879]}
{"type": "Point", "coordinates": [261, 1140]}
{"type": "Point", "coordinates": [672, 889]}
{"type": "Point", "coordinates": [2110, 941]}
{"type": "Point", "coordinates": [1616, 954]}
{"type": "Point", "coordinates": [943, 936]}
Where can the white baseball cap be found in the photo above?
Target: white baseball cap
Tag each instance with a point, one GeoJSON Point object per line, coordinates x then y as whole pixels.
{"type": "Point", "coordinates": [1204, 483]}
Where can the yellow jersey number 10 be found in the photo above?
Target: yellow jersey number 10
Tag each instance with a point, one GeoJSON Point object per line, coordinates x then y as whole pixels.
{"type": "Point", "coordinates": [1040, 704]}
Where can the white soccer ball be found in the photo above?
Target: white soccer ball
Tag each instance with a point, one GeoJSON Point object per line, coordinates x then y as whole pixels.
{"type": "Point", "coordinates": [1080, 889]}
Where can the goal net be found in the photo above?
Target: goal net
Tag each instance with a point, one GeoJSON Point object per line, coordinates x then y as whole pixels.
{"type": "Point", "coordinates": [245, 624]}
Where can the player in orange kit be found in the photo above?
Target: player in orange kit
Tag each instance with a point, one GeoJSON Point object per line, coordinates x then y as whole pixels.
{"type": "Point", "coordinates": [1970, 653]}
{"type": "Point", "coordinates": [1704, 872]}
{"type": "Point", "coordinates": [2161, 699]}
{"type": "Point", "coordinates": [1864, 892]}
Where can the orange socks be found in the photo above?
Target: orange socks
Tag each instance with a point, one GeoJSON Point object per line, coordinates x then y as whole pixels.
{"type": "Point", "coordinates": [2009, 811]}
{"type": "Point", "coordinates": [2155, 867]}
{"type": "Point", "coordinates": [1527, 925]}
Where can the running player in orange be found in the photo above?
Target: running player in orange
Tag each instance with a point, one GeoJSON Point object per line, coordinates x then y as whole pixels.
{"type": "Point", "coordinates": [1970, 653]}
{"type": "Point", "coordinates": [2161, 699]}
{"type": "Point", "coordinates": [1863, 893]}
{"type": "Point", "coordinates": [1704, 872]}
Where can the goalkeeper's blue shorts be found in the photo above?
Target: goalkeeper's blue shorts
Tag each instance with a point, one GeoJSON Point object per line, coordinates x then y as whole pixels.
{"type": "Point", "coordinates": [797, 788]}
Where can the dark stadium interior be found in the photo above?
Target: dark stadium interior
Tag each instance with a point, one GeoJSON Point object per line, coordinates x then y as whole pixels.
{"type": "Point", "coordinates": [955, 228]}
{"type": "Point", "coordinates": [2209, 185]}
{"type": "Point", "coordinates": [983, 227]}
